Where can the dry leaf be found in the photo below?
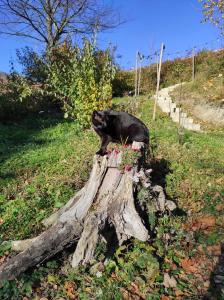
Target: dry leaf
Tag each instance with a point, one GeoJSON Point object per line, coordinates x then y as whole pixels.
{"type": "Point", "coordinates": [200, 249]}
{"type": "Point", "coordinates": [220, 180]}
{"type": "Point", "coordinates": [204, 222]}
{"type": "Point", "coordinates": [214, 250]}
{"type": "Point", "coordinates": [135, 289]}
{"type": "Point", "coordinates": [163, 297]}
{"type": "Point", "coordinates": [169, 282]}
{"type": "Point", "coordinates": [179, 293]}
{"type": "Point", "coordinates": [126, 295]}
{"type": "Point", "coordinates": [189, 265]}
{"type": "Point", "coordinates": [70, 289]}
{"type": "Point", "coordinates": [207, 284]}
{"type": "Point", "coordinates": [2, 258]}
{"type": "Point", "coordinates": [219, 207]}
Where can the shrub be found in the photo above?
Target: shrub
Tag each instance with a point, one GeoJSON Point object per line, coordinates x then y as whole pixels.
{"type": "Point", "coordinates": [82, 79]}
{"type": "Point", "coordinates": [123, 83]}
{"type": "Point", "coordinates": [73, 79]}
{"type": "Point", "coordinates": [18, 97]}
{"type": "Point", "coordinates": [34, 65]}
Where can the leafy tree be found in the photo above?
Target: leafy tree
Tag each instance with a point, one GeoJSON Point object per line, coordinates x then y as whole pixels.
{"type": "Point", "coordinates": [213, 11]}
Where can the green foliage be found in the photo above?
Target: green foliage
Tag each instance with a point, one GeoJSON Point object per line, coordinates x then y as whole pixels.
{"type": "Point", "coordinates": [80, 82]}
{"type": "Point", "coordinates": [34, 65]}
{"type": "Point", "coordinates": [18, 97]}
{"type": "Point", "coordinates": [139, 260]}
{"type": "Point", "coordinates": [129, 157]}
{"type": "Point", "coordinates": [146, 201]}
{"type": "Point", "coordinates": [23, 94]}
{"type": "Point", "coordinates": [4, 247]}
{"type": "Point", "coordinates": [76, 80]}
{"type": "Point", "coordinates": [123, 83]}
{"type": "Point", "coordinates": [213, 11]}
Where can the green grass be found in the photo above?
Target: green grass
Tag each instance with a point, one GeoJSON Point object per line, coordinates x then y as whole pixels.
{"type": "Point", "coordinates": [198, 162]}
{"type": "Point", "coordinates": [40, 170]}
{"type": "Point", "coordinates": [45, 161]}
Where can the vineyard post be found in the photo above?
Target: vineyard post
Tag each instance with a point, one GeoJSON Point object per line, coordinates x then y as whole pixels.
{"type": "Point", "coordinates": [158, 80]}
{"type": "Point", "coordinates": [193, 64]}
{"type": "Point", "coordinates": [136, 74]}
{"type": "Point", "coordinates": [139, 75]}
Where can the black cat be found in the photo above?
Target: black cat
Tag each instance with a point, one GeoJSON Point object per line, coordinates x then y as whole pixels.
{"type": "Point", "coordinates": [118, 127]}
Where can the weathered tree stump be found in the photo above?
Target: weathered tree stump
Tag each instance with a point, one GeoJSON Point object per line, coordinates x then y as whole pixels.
{"type": "Point", "coordinates": [106, 197]}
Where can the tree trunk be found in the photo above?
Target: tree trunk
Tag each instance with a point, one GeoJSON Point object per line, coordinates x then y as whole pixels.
{"type": "Point", "coordinates": [107, 197]}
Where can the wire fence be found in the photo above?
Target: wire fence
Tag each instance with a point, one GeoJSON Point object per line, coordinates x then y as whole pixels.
{"type": "Point", "coordinates": [151, 58]}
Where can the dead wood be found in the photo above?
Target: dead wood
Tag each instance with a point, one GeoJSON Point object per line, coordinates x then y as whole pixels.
{"type": "Point", "coordinates": [106, 197]}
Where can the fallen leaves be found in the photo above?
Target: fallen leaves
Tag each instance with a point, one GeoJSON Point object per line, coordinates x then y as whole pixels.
{"type": "Point", "coordinates": [70, 287]}
{"type": "Point", "coordinates": [214, 250]}
{"type": "Point", "coordinates": [189, 265]}
{"type": "Point", "coordinates": [163, 297]}
{"type": "Point", "coordinates": [179, 293]}
{"type": "Point", "coordinates": [132, 292]}
{"type": "Point", "coordinates": [206, 222]}
{"type": "Point", "coordinates": [219, 207]}
{"type": "Point", "coordinates": [2, 259]}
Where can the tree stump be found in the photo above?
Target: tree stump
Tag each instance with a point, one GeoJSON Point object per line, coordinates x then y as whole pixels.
{"type": "Point", "coordinates": [107, 197]}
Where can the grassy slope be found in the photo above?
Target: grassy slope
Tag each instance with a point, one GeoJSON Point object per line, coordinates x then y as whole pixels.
{"type": "Point", "coordinates": [206, 92]}
{"type": "Point", "coordinates": [41, 168]}
{"type": "Point", "coordinates": [208, 64]}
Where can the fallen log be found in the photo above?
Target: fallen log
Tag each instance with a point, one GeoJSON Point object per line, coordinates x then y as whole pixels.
{"type": "Point", "coordinates": [107, 197]}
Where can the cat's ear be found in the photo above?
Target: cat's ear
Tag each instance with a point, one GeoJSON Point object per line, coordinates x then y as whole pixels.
{"type": "Point", "coordinates": [97, 113]}
{"type": "Point", "coordinates": [98, 116]}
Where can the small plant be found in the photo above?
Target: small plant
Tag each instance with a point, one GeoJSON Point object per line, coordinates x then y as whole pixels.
{"type": "Point", "coordinates": [130, 156]}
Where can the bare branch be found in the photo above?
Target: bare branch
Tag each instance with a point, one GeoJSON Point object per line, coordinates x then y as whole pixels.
{"type": "Point", "coordinates": [20, 34]}
{"type": "Point", "coordinates": [50, 21]}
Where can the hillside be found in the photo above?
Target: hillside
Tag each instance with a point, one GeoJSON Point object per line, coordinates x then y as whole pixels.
{"type": "Point", "coordinates": [208, 64]}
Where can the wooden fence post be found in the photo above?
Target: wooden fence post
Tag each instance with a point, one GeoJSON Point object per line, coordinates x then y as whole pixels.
{"type": "Point", "coordinates": [139, 74]}
{"type": "Point", "coordinates": [193, 64]}
{"type": "Point", "coordinates": [158, 81]}
{"type": "Point", "coordinates": [136, 73]}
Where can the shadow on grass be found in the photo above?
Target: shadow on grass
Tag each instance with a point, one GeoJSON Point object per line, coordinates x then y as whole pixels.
{"type": "Point", "coordinates": [161, 168]}
{"type": "Point", "coordinates": [17, 136]}
{"type": "Point", "coordinates": [216, 288]}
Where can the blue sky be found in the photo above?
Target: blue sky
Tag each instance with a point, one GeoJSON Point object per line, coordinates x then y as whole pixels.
{"type": "Point", "coordinates": [177, 23]}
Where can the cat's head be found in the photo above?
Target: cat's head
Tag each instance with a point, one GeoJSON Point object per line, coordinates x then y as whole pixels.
{"type": "Point", "coordinates": [99, 118]}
